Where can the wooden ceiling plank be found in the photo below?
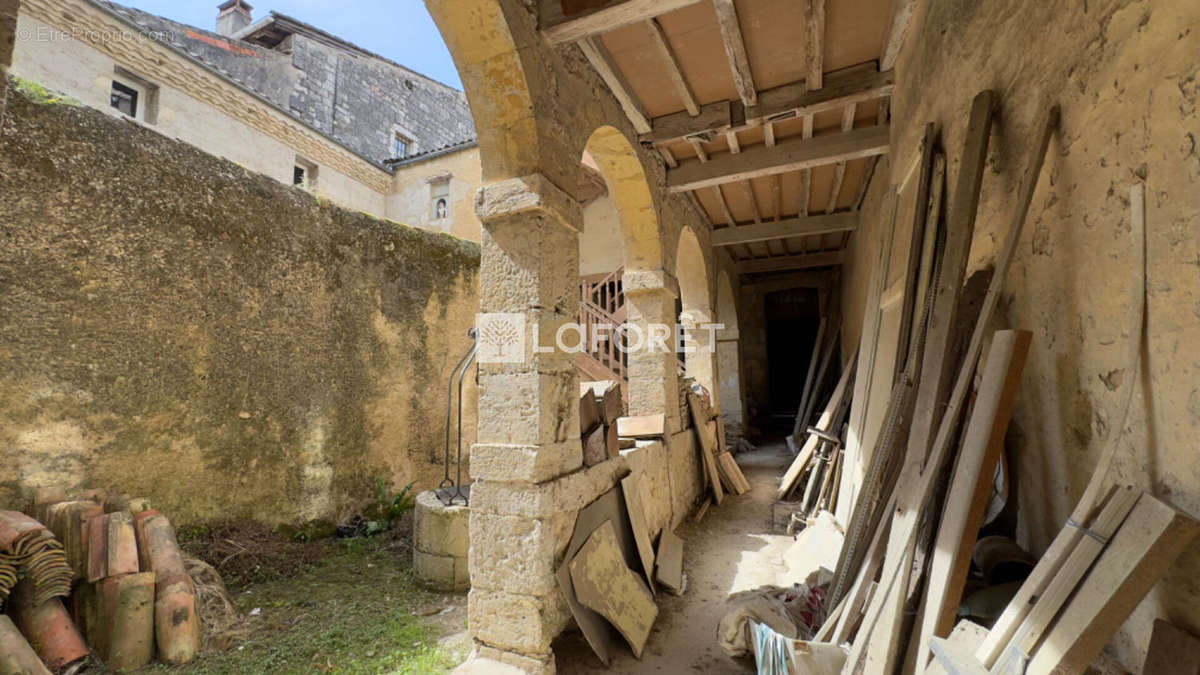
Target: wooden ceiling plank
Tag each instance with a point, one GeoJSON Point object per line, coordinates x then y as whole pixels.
{"type": "Point", "coordinates": [729, 221]}
{"type": "Point", "coordinates": [814, 43]}
{"type": "Point", "coordinates": [602, 61]}
{"type": "Point", "coordinates": [839, 175]}
{"type": "Point", "coordinates": [659, 40]}
{"type": "Point", "coordinates": [559, 28]}
{"type": "Point", "coordinates": [791, 262]}
{"type": "Point", "coordinates": [857, 84]}
{"type": "Point", "coordinates": [735, 49]}
{"type": "Point", "coordinates": [805, 175]}
{"type": "Point", "coordinates": [753, 201]}
{"type": "Point", "coordinates": [792, 227]}
{"type": "Point", "coordinates": [791, 155]}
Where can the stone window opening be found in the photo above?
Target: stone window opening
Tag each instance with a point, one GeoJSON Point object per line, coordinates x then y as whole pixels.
{"type": "Point", "coordinates": [133, 96]}
{"type": "Point", "coordinates": [124, 99]}
{"type": "Point", "coordinates": [402, 146]}
{"type": "Point", "coordinates": [439, 197]}
{"type": "Point", "coordinates": [304, 174]}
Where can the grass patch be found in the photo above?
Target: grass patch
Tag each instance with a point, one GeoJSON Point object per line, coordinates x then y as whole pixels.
{"type": "Point", "coordinates": [353, 610]}
{"type": "Point", "coordinates": [39, 94]}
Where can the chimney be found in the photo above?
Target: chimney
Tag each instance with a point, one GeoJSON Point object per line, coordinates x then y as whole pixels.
{"type": "Point", "coordinates": [232, 17]}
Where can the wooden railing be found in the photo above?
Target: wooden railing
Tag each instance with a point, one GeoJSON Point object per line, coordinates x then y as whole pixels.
{"type": "Point", "coordinates": [601, 313]}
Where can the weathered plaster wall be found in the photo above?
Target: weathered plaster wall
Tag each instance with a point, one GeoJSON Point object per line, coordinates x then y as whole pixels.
{"type": "Point", "coordinates": [1127, 78]}
{"type": "Point", "coordinates": [176, 326]}
{"type": "Point", "coordinates": [410, 201]}
{"type": "Point", "coordinates": [600, 248]}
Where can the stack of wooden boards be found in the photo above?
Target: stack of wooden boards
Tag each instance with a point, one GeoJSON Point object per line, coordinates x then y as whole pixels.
{"type": "Point", "coordinates": [611, 571]}
{"type": "Point", "coordinates": [720, 469]}
{"type": "Point", "coordinates": [926, 475]}
{"type": "Point", "coordinates": [129, 596]}
{"type": "Point", "coordinates": [600, 407]}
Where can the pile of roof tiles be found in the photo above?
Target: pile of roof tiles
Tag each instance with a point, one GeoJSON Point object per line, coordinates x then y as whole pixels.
{"type": "Point", "coordinates": [118, 567]}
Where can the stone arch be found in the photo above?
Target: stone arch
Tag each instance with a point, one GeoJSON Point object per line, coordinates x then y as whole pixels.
{"type": "Point", "coordinates": [481, 40]}
{"type": "Point", "coordinates": [630, 191]}
{"type": "Point", "coordinates": [691, 270]}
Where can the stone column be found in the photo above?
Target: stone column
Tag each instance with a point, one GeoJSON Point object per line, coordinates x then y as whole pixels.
{"type": "Point", "coordinates": [528, 423]}
{"type": "Point", "coordinates": [8, 33]}
{"type": "Point", "coordinates": [653, 373]}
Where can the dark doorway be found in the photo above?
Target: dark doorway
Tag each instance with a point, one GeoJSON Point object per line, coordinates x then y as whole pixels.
{"type": "Point", "coordinates": [793, 318]}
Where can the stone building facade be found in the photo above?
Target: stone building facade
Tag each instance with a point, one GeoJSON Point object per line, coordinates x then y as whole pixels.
{"type": "Point", "coordinates": [278, 96]}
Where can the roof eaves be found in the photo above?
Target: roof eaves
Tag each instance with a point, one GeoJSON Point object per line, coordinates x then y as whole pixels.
{"type": "Point", "coordinates": [235, 83]}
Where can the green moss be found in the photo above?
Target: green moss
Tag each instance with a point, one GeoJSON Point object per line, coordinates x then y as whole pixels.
{"type": "Point", "coordinates": [41, 95]}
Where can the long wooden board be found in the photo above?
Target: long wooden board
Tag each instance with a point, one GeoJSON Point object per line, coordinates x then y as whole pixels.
{"type": "Point", "coordinates": [916, 494]}
{"type": "Point", "coordinates": [637, 522]}
{"type": "Point", "coordinates": [706, 443]}
{"type": "Point", "coordinates": [810, 446]}
{"type": "Point", "coordinates": [1030, 632]}
{"type": "Point", "coordinates": [970, 486]}
{"type": "Point", "coordinates": [1147, 544]}
{"type": "Point", "coordinates": [1050, 562]}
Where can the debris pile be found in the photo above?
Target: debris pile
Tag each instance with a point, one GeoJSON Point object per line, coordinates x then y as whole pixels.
{"type": "Point", "coordinates": [100, 575]}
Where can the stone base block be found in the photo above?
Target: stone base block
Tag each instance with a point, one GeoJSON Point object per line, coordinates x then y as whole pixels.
{"type": "Point", "coordinates": [489, 661]}
{"type": "Point", "coordinates": [444, 573]}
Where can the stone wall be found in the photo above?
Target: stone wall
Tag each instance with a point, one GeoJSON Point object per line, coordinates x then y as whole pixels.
{"type": "Point", "coordinates": [1127, 78]}
{"type": "Point", "coordinates": [175, 326]}
{"type": "Point", "coordinates": [8, 33]}
{"type": "Point", "coordinates": [411, 198]}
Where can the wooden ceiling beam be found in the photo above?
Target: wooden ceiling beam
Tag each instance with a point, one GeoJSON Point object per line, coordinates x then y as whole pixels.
{"type": "Point", "coordinates": [659, 40]}
{"type": "Point", "coordinates": [792, 227]}
{"type": "Point", "coordinates": [600, 59]}
{"type": "Point", "coordinates": [857, 84]}
{"type": "Point", "coordinates": [814, 43]}
{"type": "Point", "coordinates": [902, 12]}
{"type": "Point", "coordinates": [559, 28]}
{"type": "Point", "coordinates": [839, 172]}
{"type": "Point", "coordinates": [735, 50]}
{"type": "Point", "coordinates": [791, 155]}
{"type": "Point", "coordinates": [791, 262]}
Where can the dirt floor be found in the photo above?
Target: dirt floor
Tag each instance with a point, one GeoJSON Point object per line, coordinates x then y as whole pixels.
{"type": "Point", "coordinates": [730, 550]}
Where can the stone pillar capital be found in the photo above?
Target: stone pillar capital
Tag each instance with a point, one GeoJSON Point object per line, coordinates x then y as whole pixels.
{"type": "Point", "coordinates": [649, 281]}
{"type": "Point", "coordinates": [530, 195]}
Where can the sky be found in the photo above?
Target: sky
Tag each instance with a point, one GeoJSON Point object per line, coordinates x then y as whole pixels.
{"type": "Point", "coordinates": [400, 30]}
